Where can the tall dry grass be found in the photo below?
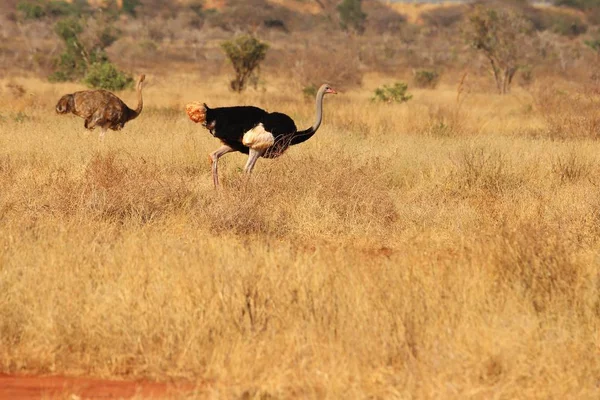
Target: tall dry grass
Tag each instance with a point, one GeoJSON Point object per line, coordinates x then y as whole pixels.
{"type": "Point", "coordinates": [379, 259]}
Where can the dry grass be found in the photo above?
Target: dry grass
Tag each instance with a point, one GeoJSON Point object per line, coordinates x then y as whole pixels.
{"type": "Point", "coordinates": [569, 113]}
{"type": "Point", "coordinates": [378, 259]}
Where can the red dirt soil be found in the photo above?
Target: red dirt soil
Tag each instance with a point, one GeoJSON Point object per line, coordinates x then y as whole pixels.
{"type": "Point", "coordinates": [17, 387]}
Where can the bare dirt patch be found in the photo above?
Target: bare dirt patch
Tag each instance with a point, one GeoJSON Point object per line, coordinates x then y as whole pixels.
{"type": "Point", "coordinates": [22, 387]}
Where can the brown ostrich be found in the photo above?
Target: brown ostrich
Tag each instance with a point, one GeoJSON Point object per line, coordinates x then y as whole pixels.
{"type": "Point", "coordinates": [101, 108]}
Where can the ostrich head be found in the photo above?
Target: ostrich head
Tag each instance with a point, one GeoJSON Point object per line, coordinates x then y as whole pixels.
{"type": "Point", "coordinates": [328, 89]}
{"type": "Point", "coordinates": [196, 111]}
{"type": "Point", "coordinates": [65, 104]}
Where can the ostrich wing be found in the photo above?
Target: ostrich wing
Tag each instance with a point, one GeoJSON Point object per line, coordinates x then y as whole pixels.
{"type": "Point", "coordinates": [258, 138]}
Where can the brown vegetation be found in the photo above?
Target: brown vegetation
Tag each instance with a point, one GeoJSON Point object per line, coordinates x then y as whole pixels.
{"type": "Point", "coordinates": [445, 247]}
{"type": "Point", "coordinates": [382, 258]}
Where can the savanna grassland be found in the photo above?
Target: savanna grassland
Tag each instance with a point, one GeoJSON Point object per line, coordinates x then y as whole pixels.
{"type": "Point", "coordinates": [382, 258]}
{"type": "Point", "coordinates": [446, 247]}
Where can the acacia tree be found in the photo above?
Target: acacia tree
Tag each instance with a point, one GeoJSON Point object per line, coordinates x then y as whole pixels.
{"type": "Point", "coordinates": [245, 53]}
{"type": "Point", "coordinates": [501, 35]}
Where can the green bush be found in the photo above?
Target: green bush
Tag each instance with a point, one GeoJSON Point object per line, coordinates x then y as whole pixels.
{"type": "Point", "coordinates": [31, 9]}
{"type": "Point", "coordinates": [89, 64]}
{"type": "Point", "coordinates": [72, 63]}
{"type": "Point", "coordinates": [104, 75]}
{"type": "Point", "coordinates": [129, 7]}
{"type": "Point", "coordinates": [352, 15]}
{"type": "Point", "coordinates": [392, 94]}
{"type": "Point", "coordinates": [245, 53]}
{"type": "Point", "coordinates": [424, 78]}
{"type": "Point", "coordinates": [36, 9]}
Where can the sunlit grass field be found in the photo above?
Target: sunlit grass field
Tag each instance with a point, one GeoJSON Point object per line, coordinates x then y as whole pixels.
{"type": "Point", "coordinates": [448, 247]}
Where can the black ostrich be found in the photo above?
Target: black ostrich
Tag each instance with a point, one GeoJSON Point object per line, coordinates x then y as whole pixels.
{"type": "Point", "coordinates": [252, 131]}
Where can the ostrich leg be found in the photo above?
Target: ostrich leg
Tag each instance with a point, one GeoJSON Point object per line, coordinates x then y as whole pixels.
{"type": "Point", "coordinates": [214, 157]}
{"type": "Point", "coordinates": [252, 157]}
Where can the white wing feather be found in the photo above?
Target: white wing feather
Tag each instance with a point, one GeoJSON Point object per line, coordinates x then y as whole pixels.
{"type": "Point", "coordinates": [258, 138]}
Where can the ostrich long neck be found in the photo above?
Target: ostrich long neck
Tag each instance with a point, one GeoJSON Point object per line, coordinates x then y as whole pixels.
{"type": "Point", "coordinates": [304, 135]}
{"type": "Point", "coordinates": [140, 104]}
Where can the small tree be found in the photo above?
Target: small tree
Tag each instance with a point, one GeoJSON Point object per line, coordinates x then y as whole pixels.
{"type": "Point", "coordinates": [89, 63]}
{"type": "Point", "coordinates": [73, 62]}
{"type": "Point", "coordinates": [500, 35]}
{"type": "Point", "coordinates": [352, 15]}
{"type": "Point", "coordinates": [392, 94]}
{"type": "Point", "coordinates": [245, 53]}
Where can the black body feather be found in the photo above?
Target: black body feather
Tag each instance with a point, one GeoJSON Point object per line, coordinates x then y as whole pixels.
{"type": "Point", "coordinates": [229, 124]}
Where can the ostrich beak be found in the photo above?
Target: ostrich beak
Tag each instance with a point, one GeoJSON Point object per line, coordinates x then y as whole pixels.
{"type": "Point", "coordinates": [330, 90]}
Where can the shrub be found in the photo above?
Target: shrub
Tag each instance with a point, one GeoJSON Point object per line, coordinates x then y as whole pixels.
{"type": "Point", "coordinates": [88, 63]}
{"type": "Point", "coordinates": [352, 16]}
{"type": "Point", "coordinates": [392, 94]}
{"type": "Point", "coordinates": [424, 78]}
{"type": "Point", "coordinates": [105, 75]}
{"type": "Point", "coordinates": [72, 63]}
{"type": "Point", "coordinates": [245, 53]}
{"type": "Point", "coordinates": [37, 9]}
{"type": "Point", "coordinates": [129, 7]}
{"type": "Point", "coordinates": [31, 9]}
